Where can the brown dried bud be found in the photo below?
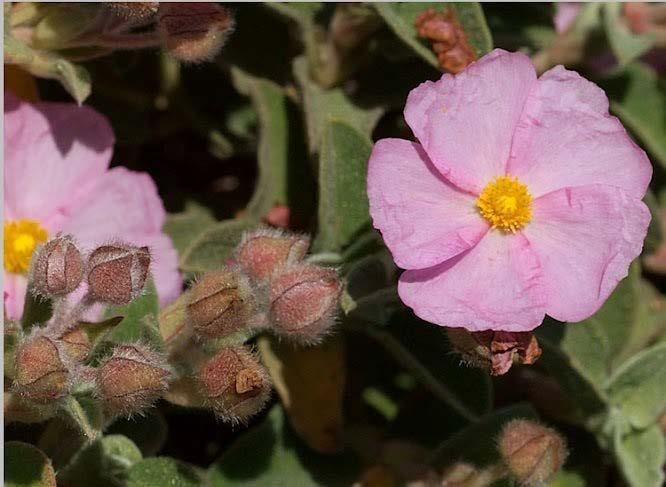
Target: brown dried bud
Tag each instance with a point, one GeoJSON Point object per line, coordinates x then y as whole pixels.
{"type": "Point", "coordinates": [495, 351]}
{"type": "Point", "coordinates": [220, 304]}
{"type": "Point", "coordinates": [236, 386]}
{"type": "Point", "coordinates": [76, 344]}
{"type": "Point", "coordinates": [266, 251]}
{"type": "Point", "coordinates": [132, 379]}
{"type": "Point", "coordinates": [134, 10]}
{"type": "Point", "coordinates": [117, 273]}
{"type": "Point", "coordinates": [57, 268]}
{"type": "Point", "coordinates": [303, 302]}
{"type": "Point", "coordinates": [193, 32]}
{"type": "Point", "coordinates": [448, 37]}
{"type": "Point", "coordinates": [532, 452]}
{"type": "Point", "coordinates": [41, 373]}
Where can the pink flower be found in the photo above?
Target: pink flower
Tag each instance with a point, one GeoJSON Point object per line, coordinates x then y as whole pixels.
{"type": "Point", "coordinates": [57, 179]}
{"type": "Point", "coordinates": [522, 197]}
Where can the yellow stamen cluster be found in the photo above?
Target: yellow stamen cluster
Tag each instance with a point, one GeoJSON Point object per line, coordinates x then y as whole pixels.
{"type": "Point", "coordinates": [20, 238]}
{"type": "Point", "coordinates": [506, 203]}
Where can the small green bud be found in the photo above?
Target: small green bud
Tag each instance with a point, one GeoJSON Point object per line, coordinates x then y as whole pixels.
{"type": "Point", "coordinates": [235, 385]}
{"type": "Point", "coordinates": [41, 373]}
{"type": "Point", "coordinates": [132, 379]}
{"type": "Point", "coordinates": [264, 252]}
{"type": "Point", "coordinates": [533, 453]}
{"type": "Point", "coordinates": [220, 304]}
{"type": "Point", "coordinates": [303, 302]}
{"type": "Point", "coordinates": [117, 273]}
{"type": "Point", "coordinates": [57, 268]}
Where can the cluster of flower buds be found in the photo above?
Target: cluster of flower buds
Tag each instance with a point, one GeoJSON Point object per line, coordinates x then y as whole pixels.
{"type": "Point", "coordinates": [449, 40]}
{"type": "Point", "coordinates": [268, 285]}
{"type": "Point", "coordinates": [52, 360]}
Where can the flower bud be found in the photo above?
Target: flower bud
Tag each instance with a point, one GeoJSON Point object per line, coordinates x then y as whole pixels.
{"type": "Point", "coordinates": [132, 379]}
{"type": "Point", "coordinates": [495, 351]}
{"type": "Point", "coordinates": [236, 386]}
{"type": "Point", "coordinates": [57, 268]}
{"type": "Point", "coordinates": [193, 32]}
{"type": "Point", "coordinates": [134, 10]}
{"type": "Point", "coordinates": [532, 452]}
{"type": "Point", "coordinates": [41, 373]}
{"type": "Point", "coordinates": [220, 304]}
{"type": "Point", "coordinates": [265, 251]}
{"type": "Point", "coordinates": [76, 344]}
{"type": "Point", "coordinates": [117, 273]}
{"type": "Point", "coordinates": [303, 302]}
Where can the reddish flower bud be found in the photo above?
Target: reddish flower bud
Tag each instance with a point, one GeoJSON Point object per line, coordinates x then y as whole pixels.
{"type": "Point", "coordinates": [303, 302]}
{"type": "Point", "coordinates": [220, 304]}
{"type": "Point", "coordinates": [132, 379]}
{"type": "Point", "coordinates": [117, 273]}
{"type": "Point", "coordinates": [134, 10]}
{"type": "Point", "coordinates": [266, 251]}
{"type": "Point", "coordinates": [495, 351]}
{"type": "Point", "coordinates": [41, 373]}
{"type": "Point", "coordinates": [532, 452]}
{"type": "Point", "coordinates": [57, 268]}
{"type": "Point", "coordinates": [194, 32]}
{"type": "Point", "coordinates": [235, 385]}
{"type": "Point", "coordinates": [448, 38]}
{"type": "Point", "coordinates": [76, 344]}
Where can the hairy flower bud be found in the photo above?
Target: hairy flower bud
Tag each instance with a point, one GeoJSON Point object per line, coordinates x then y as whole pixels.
{"type": "Point", "coordinates": [263, 252]}
{"type": "Point", "coordinates": [76, 344]}
{"type": "Point", "coordinates": [220, 304]}
{"type": "Point", "coordinates": [41, 373]}
{"type": "Point", "coordinates": [134, 10]}
{"type": "Point", "coordinates": [193, 32]}
{"type": "Point", "coordinates": [532, 452]}
{"type": "Point", "coordinates": [57, 268]}
{"type": "Point", "coordinates": [495, 351]}
{"type": "Point", "coordinates": [235, 385]}
{"type": "Point", "coordinates": [303, 302]}
{"type": "Point", "coordinates": [132, 379]}
{"type": "Point", "coordinates": [117, 273]}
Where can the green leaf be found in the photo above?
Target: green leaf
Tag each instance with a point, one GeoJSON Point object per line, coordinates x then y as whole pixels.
{"type": "Point", "coordinates": [322, 105]}
{"type": "Point", "coordinates": [165, 471]}
{"type": "Point", "coordinates": [477, 442]}
{"type": "Point", "coordinates": [641, 456]}
{"type": "Point", "coordinates": [626, 45]}
{"type": "Point", "coordinates": [401, 17]}
{"type": "Point", "coordinates": [63, 23]}
{"type": "Point", "coordinates": [638, 97]}
{"type": "Point", "coordinates": [214, 246]}
{"type": "Point", "coordinates": [278, 458]}
{"type": "Point", "coordinates": [27, 466]}
{"type": "Point", "coordinates": [343, 202]}
{"type": "Point", "coordinates": [104, 463]}
{"type": "Point", "coordinates": [303, 13]}
{"type": "Point", "coordinates": [36, 310]}
{"type": "Point", "coordinates": [638, 388]}
{"type": "Point", "coordinates": [185, 226]}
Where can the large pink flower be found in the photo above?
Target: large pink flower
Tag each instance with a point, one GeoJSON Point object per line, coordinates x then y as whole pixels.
{"type": "Point", "coordinates": [57, 179]}
{"type": "Point", "coordinates": [522, 197]}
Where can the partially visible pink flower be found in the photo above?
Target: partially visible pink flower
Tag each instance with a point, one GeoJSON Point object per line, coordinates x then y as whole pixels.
{"type": "Point", "coordinates": [521, 198]}
{"type": "Point", "coordinates": [57, 179]}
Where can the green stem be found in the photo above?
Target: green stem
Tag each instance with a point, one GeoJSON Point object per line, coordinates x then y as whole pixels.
{"type": "Point", "coordinates": [405, 357]}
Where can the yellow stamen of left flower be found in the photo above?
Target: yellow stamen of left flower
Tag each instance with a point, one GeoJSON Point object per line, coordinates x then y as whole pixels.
{"type": "Point", "coordinates": [20, 239]}
{"type": "Point", "coordinates": [506, 203]}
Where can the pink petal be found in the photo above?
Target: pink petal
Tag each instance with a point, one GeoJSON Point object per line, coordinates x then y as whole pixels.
{"type": "Point", "coordinates": [565, 15]}
{"type": "Point", "coordinates": [567, 138]}
{"type": "Point", "coordinates": [496, 285]}
{"type": "Point", "coordinates": [54, 152]}
{"type": "Point", "coordinates": [585, 239]}
{"type": "Point", "coordinates": [466, 122]}
{"type": "Point", "coordinates": [15, 286]}
{"type": "Point", "coordinates": [164, 267]}
{"type": "Point", "coordinates": [423, 219]}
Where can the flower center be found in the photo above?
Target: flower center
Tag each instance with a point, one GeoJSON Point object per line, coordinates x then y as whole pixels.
{"type": "Point", "coordinates": [21, 238]}
{"type": "Point", "coordinates": [506, 203]}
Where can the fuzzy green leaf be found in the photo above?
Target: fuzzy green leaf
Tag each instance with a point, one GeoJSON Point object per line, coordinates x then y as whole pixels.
{"type": "Point", "coordinates": [401, 16]}
{"type": "Point", "coordinates": [27, 466]}
{"type": "Point", "coordinates": [37, 310]}
{"type": "Point", "coordinates": [151, 472]}
{"type": "Point", "coordinates": [214, 246]}
{"type": "Point", "coordinates": [343, 202]}
{"type": "Point", "coordinates": [641, 456]}
{"type": "Point", "coordinates": [185, 226]}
